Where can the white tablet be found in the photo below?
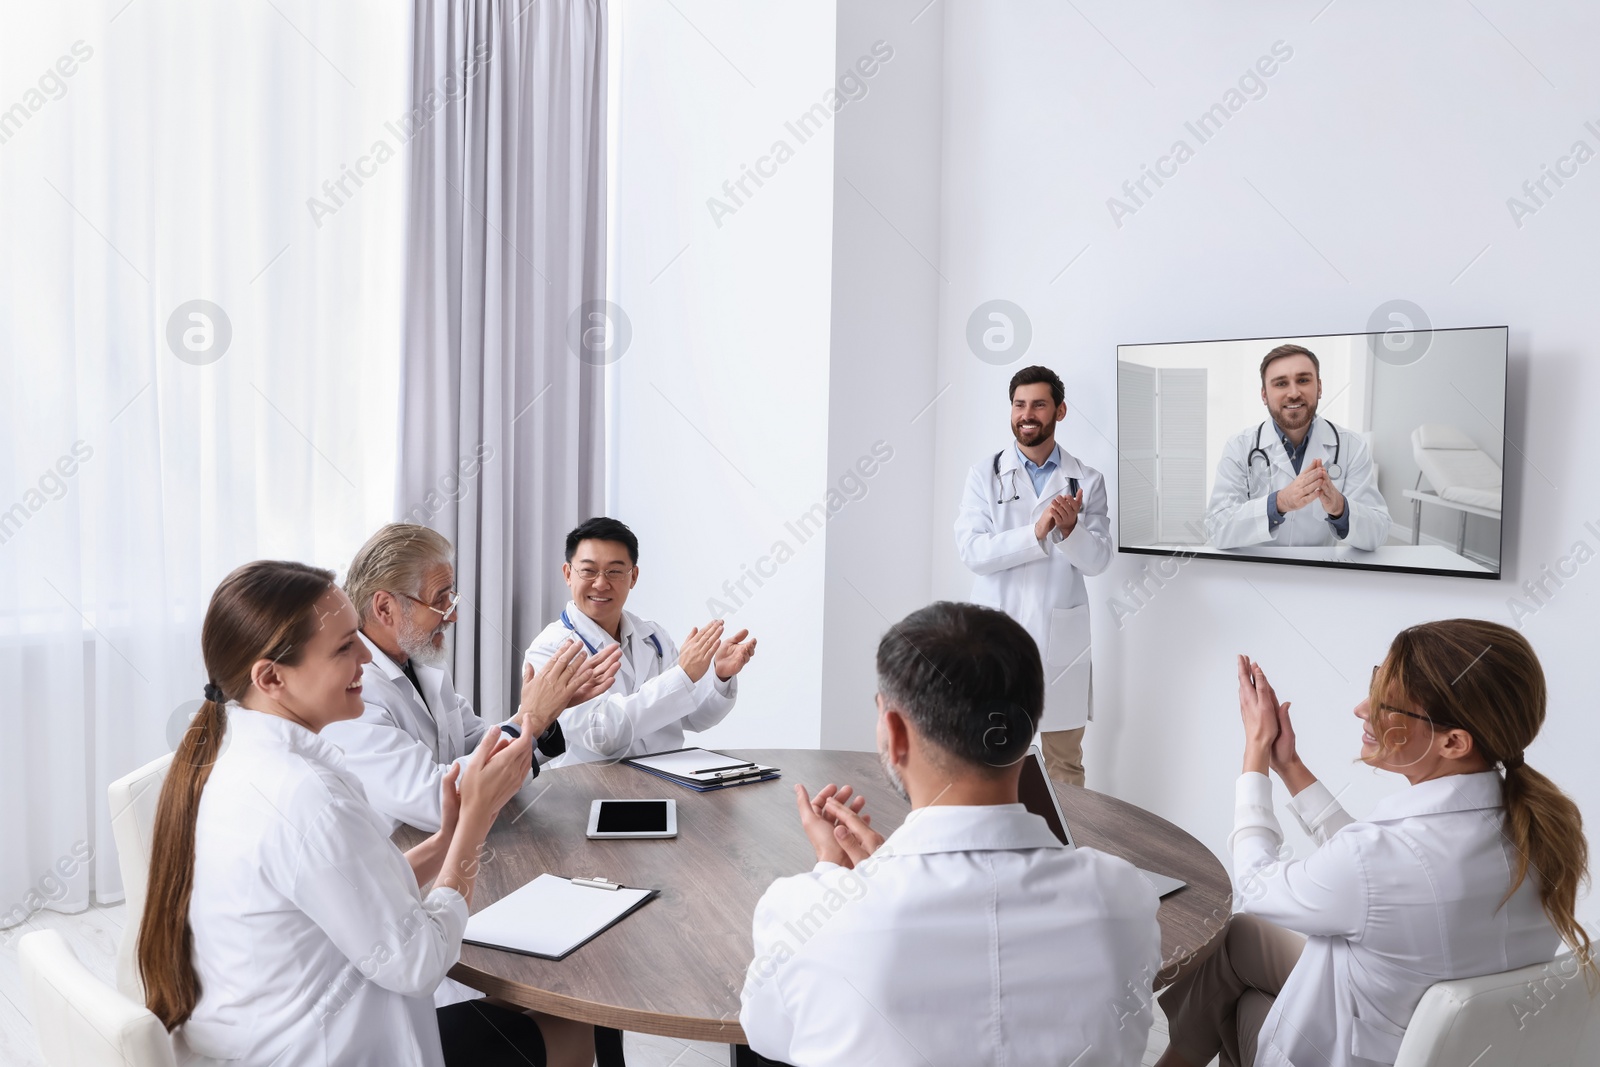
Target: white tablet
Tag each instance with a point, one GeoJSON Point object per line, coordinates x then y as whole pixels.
{"type": "Point", "coordinates": [633, 818]}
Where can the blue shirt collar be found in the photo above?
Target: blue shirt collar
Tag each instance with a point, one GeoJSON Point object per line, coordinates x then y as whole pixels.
{"type": "Point", "coordinates": [1051, 462]}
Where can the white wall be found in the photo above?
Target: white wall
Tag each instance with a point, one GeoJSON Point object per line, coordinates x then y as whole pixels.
{"type": "Point", "coordinates": [720, 403]}
{"type": "Point", "coordinates": [1335, 187]}
{"type": "Point", "coordinates": [886, 290]}
{"type": "Point", "coordinates": [1377, 165]}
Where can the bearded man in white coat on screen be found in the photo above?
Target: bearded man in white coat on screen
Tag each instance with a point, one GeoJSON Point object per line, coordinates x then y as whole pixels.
{"type": "Point", "coordinates": [1033, 523]}
{"type": "Point", "coordinates": [1295, 479]}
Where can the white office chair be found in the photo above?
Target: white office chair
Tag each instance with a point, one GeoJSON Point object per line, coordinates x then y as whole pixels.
{"type": "Point", "coordinates": [133, 819]}
{"type": "Point", "coordinates": [80, 1021]}
{"type": "Point", "coordinates": [1536, 1016]}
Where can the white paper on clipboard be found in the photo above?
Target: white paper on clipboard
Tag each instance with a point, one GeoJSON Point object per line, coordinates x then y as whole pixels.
{"type": "Point", "coordinates": [550, 916]}
{"type": "Point", "coordinates": [692, 763]}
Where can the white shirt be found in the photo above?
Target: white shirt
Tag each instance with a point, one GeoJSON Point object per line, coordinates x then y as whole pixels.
{"type": "Point", "coordinates": [404, 742]}
{"type": "Point", "coordinates": [1038, 583]}
{"type": "Point", "coordinates": [1391, 905]}
{"type": "Point", "coordinates": [312, 942]}
{"type": "Point", "coordinates": [973, 936]}
{"type": "Point", "coordinates": [1237, 514]}
{"type": "Point", "coordinates": [651, 702]}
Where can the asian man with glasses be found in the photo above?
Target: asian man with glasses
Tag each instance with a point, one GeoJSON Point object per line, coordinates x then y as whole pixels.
{"type": "Point", "coordinates": [661, 689]}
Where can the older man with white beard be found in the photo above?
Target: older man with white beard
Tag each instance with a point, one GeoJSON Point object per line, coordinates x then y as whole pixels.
{"type": "Point", "coordinates": [414, 724]}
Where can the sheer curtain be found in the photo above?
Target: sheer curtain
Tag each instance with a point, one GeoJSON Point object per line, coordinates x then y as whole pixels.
{"type": "Point", "coordinates": [245, 155]}
{"type": "Point", "coordinates": [506, 332]}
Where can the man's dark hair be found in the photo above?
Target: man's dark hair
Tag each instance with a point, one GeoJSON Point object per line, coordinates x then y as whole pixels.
{"type": "Point", "coordinates": [968, 677]}
{"type": "Point", "coordinates": [601, 528]}
{"type": "Point", "coordinates": [1288, 350]}
{"type": "Point", "coordinates": [1035, 375]}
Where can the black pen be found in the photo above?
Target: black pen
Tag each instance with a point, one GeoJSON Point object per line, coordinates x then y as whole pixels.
{"type": "Point", "coordinates": [724, 767]}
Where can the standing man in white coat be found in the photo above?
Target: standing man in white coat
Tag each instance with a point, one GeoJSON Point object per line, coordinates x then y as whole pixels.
{"type": "Point", "coordinates": [971, 935]}
{"type": "Point", "coordinates": [1266, 493]}
{"type": "Point", "coordinates": [414, 724]}
{"type": "Point", "coordinates": [1033, 524]}
{"type": "Point", "coordinates": [660, 690]}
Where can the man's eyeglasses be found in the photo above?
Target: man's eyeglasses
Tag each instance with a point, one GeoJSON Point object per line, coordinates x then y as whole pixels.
{"type": "Point", "coordinates": [1411, 714]}
{"type": "Point", "coordinates": [614, 575]}
{"type": "Point", "coordinates": [449, 599]}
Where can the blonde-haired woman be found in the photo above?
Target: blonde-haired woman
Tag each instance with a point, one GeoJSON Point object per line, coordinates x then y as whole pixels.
{"type": "Point", "coordinates": [1473, 870]}
{"type": "Point", "coordinates": [282, 926]}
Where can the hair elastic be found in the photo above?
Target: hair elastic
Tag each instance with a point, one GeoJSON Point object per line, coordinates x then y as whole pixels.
{"type": "Point", "coordinates": [215, 694]}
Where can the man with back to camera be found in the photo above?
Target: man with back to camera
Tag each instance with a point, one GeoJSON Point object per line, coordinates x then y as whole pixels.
{"type": "Point", "coordinates": [660, 690]}
{"type": "Point", "coordinates": [971, 935]}
{"type": "Point", "coordinates": [414, 724]}
{"type": "Point", "coordinates": [1280, 498]}
{"type": "Point", "coordinates": [1033, 523]}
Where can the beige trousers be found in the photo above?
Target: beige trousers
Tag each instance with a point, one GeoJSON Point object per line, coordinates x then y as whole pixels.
{"type": "Point", "coordinates": [1063, 755]}
{"type": "Point", "coordinates": [1218, 1008]}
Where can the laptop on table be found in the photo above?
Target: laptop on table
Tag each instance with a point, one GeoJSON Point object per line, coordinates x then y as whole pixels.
{"type": "Point", "coordinates": [1038, 795]}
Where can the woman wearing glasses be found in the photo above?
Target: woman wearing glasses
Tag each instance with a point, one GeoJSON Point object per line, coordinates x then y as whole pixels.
{"type": "Point", "coordinates": [1472, 870]}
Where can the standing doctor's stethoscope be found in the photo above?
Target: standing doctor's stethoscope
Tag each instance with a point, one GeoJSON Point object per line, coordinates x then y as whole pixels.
{"type": "Point", "coordinates": [1072, 483]}
{"type": "Point", "coordinates": [1334, 469]}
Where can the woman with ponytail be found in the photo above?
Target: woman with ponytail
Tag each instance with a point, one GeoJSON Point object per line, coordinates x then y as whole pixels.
{"type": "Point", "coordinates": [282, 926]}
{"type": "Point", "coordinates": [1474, 869]}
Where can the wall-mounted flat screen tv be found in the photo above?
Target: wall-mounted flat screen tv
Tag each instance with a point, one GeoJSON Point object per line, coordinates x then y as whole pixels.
{"type": "Point", "coordinates": [1372, 450]}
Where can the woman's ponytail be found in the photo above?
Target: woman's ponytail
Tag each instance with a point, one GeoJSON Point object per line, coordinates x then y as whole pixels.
{"type": "Point", "coordinates": [1546, 832]}
{"type": "Point", "coordinates": [262, 611]}
{"type": "Point", "coordinates": [171, 987]}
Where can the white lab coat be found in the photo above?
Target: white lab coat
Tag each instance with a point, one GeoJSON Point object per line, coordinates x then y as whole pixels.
{"type": "Point", "coordinates": [651, 702]}
{"type": "Point", "coordinates": [401, 748]}
{"type": "Point", "coordinates": [312, 942]}
{"type": "Point", "coordinates": [1391, 905]}
{"type": "Point", "coordinates": [973, 936]}
{"type": "Point", "coordinates": [1038, 583]}
{"type": "Point", "coordinates": [1236, 517]}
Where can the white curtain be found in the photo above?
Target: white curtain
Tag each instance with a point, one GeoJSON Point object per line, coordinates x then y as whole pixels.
{"type": "Point", "coordinates": [501, 424]}
{"type": "Point", "coordinates": [153, 154]}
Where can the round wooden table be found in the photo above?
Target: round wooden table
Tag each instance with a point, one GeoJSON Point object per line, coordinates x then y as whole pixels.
{"type": "Point", "coordinates": [675, 966]}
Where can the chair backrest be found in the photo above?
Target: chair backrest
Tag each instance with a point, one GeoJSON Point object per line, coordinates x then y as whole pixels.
{"type": "Point", "coordinates": [79, 1020]}
{"type": "Point", "coordinates": [133, 818]}
{"type": "Point", "coordinates": [1538, 1016]}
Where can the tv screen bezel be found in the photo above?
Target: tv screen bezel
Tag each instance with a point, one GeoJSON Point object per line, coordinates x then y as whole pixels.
{"type": "Point", "coordinates": [1204, 552]}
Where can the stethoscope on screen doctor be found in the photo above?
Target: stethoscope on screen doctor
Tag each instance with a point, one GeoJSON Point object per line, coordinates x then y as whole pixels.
{"type": "Point", "coordinates": [1334, 469]}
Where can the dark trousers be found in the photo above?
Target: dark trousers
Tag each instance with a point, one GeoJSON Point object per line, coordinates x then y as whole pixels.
{"type": "Point", "coordinates": [477, 1034]}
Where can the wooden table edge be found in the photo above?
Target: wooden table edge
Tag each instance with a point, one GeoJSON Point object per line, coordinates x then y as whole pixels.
{"type": "Point", "coordinates": [684, 1028]}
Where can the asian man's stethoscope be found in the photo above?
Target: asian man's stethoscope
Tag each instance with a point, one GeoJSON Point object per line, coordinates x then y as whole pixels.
{"type": "Point", "coordinates": [1334, 469]}
{"type": "Point", "coordinates": [1072, 483]}
{"type": "Point", "coordinates": [652, 638]}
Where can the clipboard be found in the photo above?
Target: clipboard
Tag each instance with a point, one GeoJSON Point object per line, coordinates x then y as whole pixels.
{"type": "Point", "coordinates": [715, 770]}
{"type": "Point", "coordinates": [552, 917]}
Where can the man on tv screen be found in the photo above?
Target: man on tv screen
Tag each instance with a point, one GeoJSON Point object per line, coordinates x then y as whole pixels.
{"type": "Point", "coordinates": [1295, 479]}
